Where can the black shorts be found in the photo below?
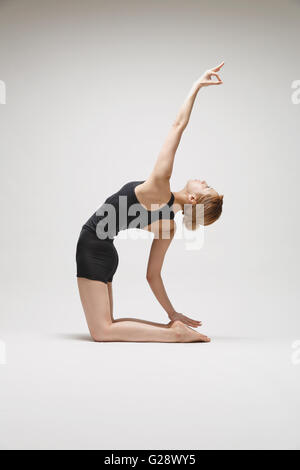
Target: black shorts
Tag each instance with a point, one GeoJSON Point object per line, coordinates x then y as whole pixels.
{"type": "Point", "coordinates": [96, 259]}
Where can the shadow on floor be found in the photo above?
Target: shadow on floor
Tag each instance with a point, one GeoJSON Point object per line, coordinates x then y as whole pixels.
{"type": "Point", "coordinates": [215, 339]}
{"type": "Point", "coordinates": [75, 337]}
{"type": "Point", "coordinates": [233, 339]}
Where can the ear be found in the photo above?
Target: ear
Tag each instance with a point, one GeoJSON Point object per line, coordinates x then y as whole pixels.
{"type": "Point", "coordinates": [192, 198]}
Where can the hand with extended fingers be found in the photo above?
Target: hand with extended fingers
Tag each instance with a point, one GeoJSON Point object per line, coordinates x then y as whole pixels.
{"type": "Point", "coordinates": [184, 319]}
{"type": "Point", "coordinates": [207, 78]}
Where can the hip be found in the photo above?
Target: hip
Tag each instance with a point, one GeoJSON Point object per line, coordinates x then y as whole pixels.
{"type": "Point", "coordinates": [90, 243]}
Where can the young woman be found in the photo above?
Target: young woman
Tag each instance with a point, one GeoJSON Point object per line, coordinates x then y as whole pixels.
{"type": "Point", "coordinates": [156, 205]}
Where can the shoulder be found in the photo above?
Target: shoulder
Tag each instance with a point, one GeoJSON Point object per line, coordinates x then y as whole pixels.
{"type": "Point", "coordinates": [131, 185]}
{"type": "Point", "coordinates": [155, 188]}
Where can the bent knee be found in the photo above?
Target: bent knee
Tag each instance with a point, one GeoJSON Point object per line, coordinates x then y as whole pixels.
{"type": "Point", "coordinates": [101, 335]}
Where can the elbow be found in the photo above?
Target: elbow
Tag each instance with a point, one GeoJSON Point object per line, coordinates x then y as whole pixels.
{"type": "Point", "coordinates": [152, 277]}
{"type": "Point", "coordinates": [181, 125]}
{"type": "Point", "coordinates": [149, 278]}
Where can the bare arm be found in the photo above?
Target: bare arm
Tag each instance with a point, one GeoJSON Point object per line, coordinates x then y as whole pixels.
{"type": "Point", "coordinates": [156, 259]}
{"type": "Point", "coordinates": [165, 161]}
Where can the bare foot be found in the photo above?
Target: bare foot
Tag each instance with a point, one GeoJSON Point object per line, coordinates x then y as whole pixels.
{"type": "Point", "coordinates": [185, 334]}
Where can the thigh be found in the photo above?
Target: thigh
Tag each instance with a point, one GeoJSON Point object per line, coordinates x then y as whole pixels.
{"type": "Point", "coordinates": [111, 300]}
{"type": "Point", "coordinates": [96, 304]}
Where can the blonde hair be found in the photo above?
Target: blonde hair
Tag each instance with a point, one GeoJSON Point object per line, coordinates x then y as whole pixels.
{"type": "Point", "coordinates": [212, 209]}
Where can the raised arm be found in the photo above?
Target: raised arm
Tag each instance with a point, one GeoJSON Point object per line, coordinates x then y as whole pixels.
{"type": "Point", "coordinates": [164, 164]}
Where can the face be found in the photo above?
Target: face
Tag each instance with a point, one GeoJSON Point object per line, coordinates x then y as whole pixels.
{"type": "Point", "coordinates": [197, 188]}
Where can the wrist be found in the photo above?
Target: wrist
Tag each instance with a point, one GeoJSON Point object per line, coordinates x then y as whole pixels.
{"type": "Point", "coordinates": [197, 86]}
{"type": "Point", "coordinates": [171, 313]}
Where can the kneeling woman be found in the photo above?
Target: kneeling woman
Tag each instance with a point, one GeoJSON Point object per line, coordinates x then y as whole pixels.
{"type": "Point", "coordinates": [97, 257]}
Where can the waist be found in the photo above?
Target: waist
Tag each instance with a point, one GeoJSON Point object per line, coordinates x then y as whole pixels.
{"type": "Point", "coordinates": [86, 228]}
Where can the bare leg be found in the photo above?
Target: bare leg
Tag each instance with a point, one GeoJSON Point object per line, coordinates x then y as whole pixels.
{"type": "Point", "coordinates": [111, 300]}
{"type": "Point", "coordinates": [96, 304]}
{"type": "Point", "coordinates": [146, 322]}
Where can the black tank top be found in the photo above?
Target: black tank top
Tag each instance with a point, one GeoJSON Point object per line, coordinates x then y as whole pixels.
{"type": "Point", "coordinates": [122, 210]}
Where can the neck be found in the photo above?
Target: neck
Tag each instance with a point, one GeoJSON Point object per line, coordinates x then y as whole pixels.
{"type": "Point", "coordinates": [180, 200]}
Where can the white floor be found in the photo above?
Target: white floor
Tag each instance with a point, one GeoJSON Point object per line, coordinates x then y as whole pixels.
{"type": "Point", "coordinates": [61, 391]}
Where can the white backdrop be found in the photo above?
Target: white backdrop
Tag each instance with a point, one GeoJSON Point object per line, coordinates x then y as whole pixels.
{"type": "Point", "coordinates": [92, 88]}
